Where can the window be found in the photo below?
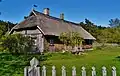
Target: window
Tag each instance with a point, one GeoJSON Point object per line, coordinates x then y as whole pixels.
{"type": "Point", "coordinates": [34, 38]}
{"type": "Point", "coordinates": [51, 41]}
{"type": "Point", "coordinates": [35, 42]}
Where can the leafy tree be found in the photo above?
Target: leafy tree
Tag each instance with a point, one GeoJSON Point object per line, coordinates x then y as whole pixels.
{"type": "Point", "coordinates": [5, 27]}
{"type": "Point", "coordinates": [10, 25]}
{"type": "Point", "coordinates": [93, 29]}
{"type": "Point", "coordinates": [90, 27]}
{"type": "Point", "coordinates": [63, 38]}
{"type": "Point", "coordinates": [109, 35]}
{"type": "Point", "coordinates": [115, 35]}
{"type": "Point", "coordinates": [104, 36]}
{"type": "Point", "coordinates": [114, 22]}
{"type": "Point", "coordinates": [88, 22]}
{"type": "Point", "coordinates": [17, 43]}
{"type": "Point", "coordinates": [71, 38]}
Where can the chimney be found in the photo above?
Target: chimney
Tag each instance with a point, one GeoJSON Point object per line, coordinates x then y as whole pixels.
{"type": "Point", "coordinates": [46, 11]}
{"type": "Point", "coordinates": [62, 16]}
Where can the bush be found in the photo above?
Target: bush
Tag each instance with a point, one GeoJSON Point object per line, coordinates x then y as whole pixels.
{"type": "Point", "coordinates": [13, 65]}
{"type": "Point", "coordinates": [17, 43]}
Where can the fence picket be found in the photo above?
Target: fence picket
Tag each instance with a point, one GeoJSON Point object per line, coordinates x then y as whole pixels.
{"type": "Point", "coordinates": [113, 71]}
{"type": "Point", "coordinates": [38, 69]}
{"type": "Point", "coordinates": [53, 71]}
{"type": "Point", "coordinates": [34, 70]}
{"type": "Point", "coordinates": [93, 71]}
{"type": "Point", "coordinates": [73, 71]}
{"type": "Point", "coordinates": [83, 71]}
{"type": "Point", "coordinates": [63, 71]}
{"type": "Point", "coordinates": [25, 71]}
{"type": "Point", "coordinates": [44, 71]}
{"type": "Point", "coordinates": [104, 72]}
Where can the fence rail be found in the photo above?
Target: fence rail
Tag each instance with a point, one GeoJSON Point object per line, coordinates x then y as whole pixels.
{"type": "Point", "coordinates": [33, 70]}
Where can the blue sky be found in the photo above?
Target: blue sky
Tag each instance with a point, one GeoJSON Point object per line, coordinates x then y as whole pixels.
{"type": "Point", "coordinates": [98, 11]}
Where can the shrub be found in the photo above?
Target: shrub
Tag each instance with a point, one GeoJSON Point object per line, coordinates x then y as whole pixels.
{"type": "Point", "coordinates": [17, 43]}
{"type": "Point", "coordinates": [71, 38]}
{"type": "Point", "coordinates": [13, 65]}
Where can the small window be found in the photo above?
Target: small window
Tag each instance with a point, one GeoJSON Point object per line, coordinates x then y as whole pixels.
{"type": "Point", "coordinates": [34, 38]}
{"type": "Point", "coordinates": [35, 42]}
{"type": "Point", "coordinates": [51, 41]}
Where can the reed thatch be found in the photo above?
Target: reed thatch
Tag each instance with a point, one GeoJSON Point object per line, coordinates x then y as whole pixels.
{"type": "Point", "coordinates": [51, 25]}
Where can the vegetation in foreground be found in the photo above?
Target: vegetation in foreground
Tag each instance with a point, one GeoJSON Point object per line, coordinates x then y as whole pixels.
{"type": "Point", "coordinates": [13, 65]}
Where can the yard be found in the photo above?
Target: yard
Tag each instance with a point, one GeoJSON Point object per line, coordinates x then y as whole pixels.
{"type": "Point", "coordinates": [107, 57]}
{"type": "Point", "coordinates": [13, 65]}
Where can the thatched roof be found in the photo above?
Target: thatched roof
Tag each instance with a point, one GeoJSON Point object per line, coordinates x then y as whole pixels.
{"type": "Point", "coordinates": [51, 25]}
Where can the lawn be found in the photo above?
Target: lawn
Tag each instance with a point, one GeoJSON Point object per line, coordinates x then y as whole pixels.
{"type": "Point", "coordinates": [98, 58]}
{"type": "Point", "coordinates": [13, 65]}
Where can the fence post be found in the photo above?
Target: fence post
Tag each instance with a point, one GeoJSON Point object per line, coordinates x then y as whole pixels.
{"type": "Point", "coordinates": [25, 71]}
{"type": "Point", "coordinates": [32, 70]}
{"type": "Point", "coordinates": [44, 71]}
{"type": "Point", "coordinates": [113, 71]}
{"type": "Point", "coordinates": [38, 73]}
{"type": "Point", "coordinates": [53, 71]}
{"type": "Point", "coordinates": [93, 71]}
{"type": "Point", "coordinates": [83, 71]}
{"type": "Point", "coordinates": [73, 71]}
{"type": "Point", "coordinates": [63, 71]}
{"type": "Point", "coordinates": [104, 72]}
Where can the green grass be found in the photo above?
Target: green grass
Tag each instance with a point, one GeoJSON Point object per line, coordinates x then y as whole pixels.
{"type": "Point", "coordinates": [98, 58]}
{"type": "Point", "coordinates": [13, 65]}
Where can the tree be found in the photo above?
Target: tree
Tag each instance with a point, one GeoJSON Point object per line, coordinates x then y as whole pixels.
{"type": "Point", "coordinates": [93, 29]}
{"type": "Point", "coordinates": [104, 36]}
{"type": "Point", "coordinates": [114, 22]}
{"type": "Point", "coordinates": [71, 38]}
{"type": "Point", "coordinates": [17, 43]}
{"type": "Point", "coordinates": [5, 27]}
{"type": "Point", "coordinates": [63, 38]}
{"type": "Point", "coordinates": [109, 35]}
{"type": "Point", "coordinates": [115, 35]}
{"type": "Point", "coordinates": [88, 22]}
{"type": "Point", "coordinates": [10, 25]}
{"type": "Point", "coordinates": [90, 27]}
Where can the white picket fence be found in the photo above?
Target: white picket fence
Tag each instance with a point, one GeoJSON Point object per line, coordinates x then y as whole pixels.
{"type": "Point", "coordinates": [93, 72]}
{"type": "Point", "coordinates": [33, 70]}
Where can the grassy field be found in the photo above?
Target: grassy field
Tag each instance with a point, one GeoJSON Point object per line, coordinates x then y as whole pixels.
{"type": "Point", "coordinates": [12, 65]}
{"type": "Point", "coordinates": [107, 57]}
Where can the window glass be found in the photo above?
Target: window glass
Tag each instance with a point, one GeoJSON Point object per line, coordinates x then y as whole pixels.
{"type": "Point", "coordinates": [51, 41]}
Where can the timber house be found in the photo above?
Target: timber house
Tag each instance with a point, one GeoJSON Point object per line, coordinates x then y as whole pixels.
{"type": "Point", "coordinates": [42, 27]}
